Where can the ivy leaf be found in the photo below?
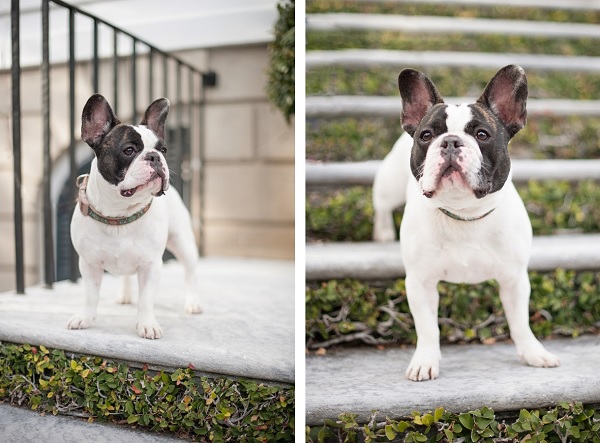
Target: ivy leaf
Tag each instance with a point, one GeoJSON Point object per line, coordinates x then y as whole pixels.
{"type": "Point", "coordinates": [466, 420]}
{"type": "Point", "coordinates": [389, 432]}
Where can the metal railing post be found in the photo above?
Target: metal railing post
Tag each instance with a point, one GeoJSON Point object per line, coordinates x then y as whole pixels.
{"type": "Point", "coordinates": [74, 265]}
{"type": "Point", "coordinates": [16, 135]}
{"type": "Point", "coordinates": [49, 271]}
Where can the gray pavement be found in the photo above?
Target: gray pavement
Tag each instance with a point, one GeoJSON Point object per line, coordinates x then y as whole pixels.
{"type": "Point", "coordinates": [246, 329]}
{"type": "Point", "coordinates": [20, 425]}
{"type": "Point", "coordinates": [360, 380]}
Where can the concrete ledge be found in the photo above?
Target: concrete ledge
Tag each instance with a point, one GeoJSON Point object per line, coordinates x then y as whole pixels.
{"type": "Point", "coordinates": [248, 314]}
{"type": "Point", "coordinates": [363, 173]}
{"type": "Point", "coordinates": [554, 4]}
{"type": "Point", "coordinates": [447, 25]}
{"type": "Point", "coordinates": [366, 58]}
{"type": "Point", "coordinates": [375, 106]}
{"type": "Point", "coordinates": [20, 425]}
{"type": "Point", "coordinates": [374, 261]}
{"type": "Point", "coordinates": [361, 380]}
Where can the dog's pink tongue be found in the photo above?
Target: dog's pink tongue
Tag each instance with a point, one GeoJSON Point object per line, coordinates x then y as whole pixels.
{"type": "Point", "coordinates": [128, 192]}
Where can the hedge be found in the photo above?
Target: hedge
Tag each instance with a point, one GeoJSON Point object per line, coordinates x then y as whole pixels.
{"type": "Point", "coordinates": [553, 207]}
{"type": "Point", "coordinates": [216, 409]}
{"type": "Point", "coordinates": [566, 422]}
{"type": "Point", "coordinates": [281, 71]}
{"type": "Point", "coordinates": [563, 303]}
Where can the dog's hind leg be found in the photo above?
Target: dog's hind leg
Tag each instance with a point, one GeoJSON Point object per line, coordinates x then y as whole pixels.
{"type": "Point", "coordinates": [182, 244]}
{"type": "Point", "coordinates": [389, 189]}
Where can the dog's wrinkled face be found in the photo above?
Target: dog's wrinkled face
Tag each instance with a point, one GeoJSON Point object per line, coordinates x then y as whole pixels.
{"type": "Point", "coordinates": [466, 146]}
{"type": "Point", "coordinates": [131, 158]}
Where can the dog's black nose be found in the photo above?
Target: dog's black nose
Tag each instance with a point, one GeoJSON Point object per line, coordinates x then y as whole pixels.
{"type": "Point", "coordinates": [451, 141]}
{"type": "Point", "coordinates": [152, 157]}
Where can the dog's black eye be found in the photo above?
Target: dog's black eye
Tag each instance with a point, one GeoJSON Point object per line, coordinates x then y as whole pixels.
{"type": "Point", "coordinates": [163, 149]}
{"type": "Point", "coordinates": [129, 150]}
{"type": "Point", "coordinates": [482, 135]}
{"type": "Point", "coordinates": [426, 136]}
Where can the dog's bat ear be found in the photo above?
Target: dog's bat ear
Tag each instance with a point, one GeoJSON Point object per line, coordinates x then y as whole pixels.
{"type": "Point", "coordinates": [97, 119]}
{"type": "Point", "coordinates": [506, 96]}
{"type": "Point", "coordinates": [156, 116]}
{"type": "Point", "coordinates": [418, 96]}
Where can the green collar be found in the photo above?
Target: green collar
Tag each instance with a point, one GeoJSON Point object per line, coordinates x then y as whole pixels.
{"type": "Point", "coordinates": [117, 221]}
{"type": "Point", "coordinates": [458, 217]}
{"type": "Point", "coordinates": [86, 208]}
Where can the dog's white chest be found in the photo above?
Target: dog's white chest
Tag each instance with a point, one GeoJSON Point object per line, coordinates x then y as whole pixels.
{"type": "Point", "coordinates": [122, 249]}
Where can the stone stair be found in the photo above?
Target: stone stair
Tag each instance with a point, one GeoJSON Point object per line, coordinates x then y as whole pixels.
{"type": "Point", "coordinates": [362, 379]}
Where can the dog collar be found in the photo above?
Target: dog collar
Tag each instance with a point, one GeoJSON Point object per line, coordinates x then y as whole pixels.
{"type": "Point", "coordinates": [458, 217]}
{"type": "Point", "coordinates": [87, 210]}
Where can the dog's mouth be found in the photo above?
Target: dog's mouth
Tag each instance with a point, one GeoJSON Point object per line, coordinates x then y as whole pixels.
{"type": "Point", "coordinates": [158, 174]}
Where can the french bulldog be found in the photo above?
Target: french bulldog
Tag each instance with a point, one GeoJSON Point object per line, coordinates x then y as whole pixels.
{"type": "Point", "coordinates": [464, 221]}
{"type": "Point", "coordinates": [125, 218]}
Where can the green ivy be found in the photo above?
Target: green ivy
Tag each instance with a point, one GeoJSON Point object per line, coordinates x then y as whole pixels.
{"type": "Point", "coordinates": [553, 207]}
{"type": "Point", "coordinates": [565, 303]}
{"type": "Point", "coordinates": [201, 408]}
{"type": "Point", "coordinates": [572, 422]}
{"type": "Point", "coordinates": [281, 71]}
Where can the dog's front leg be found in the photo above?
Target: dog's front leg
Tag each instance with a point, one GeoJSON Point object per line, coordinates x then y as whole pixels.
{"type": "Point", "coordinates": [148, 278]}
{"type": "Point", "coordinates": [514, 294]}
{"type": "Point", "coordinates": [92, 278]}
{"type": "Point", "coordinates": [423, 300]}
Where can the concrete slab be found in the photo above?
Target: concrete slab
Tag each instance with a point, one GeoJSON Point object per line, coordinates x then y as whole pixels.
{"type": "Point", "coordinates": [19, 425]}
{"type": "Point", "coordinates": [361, 380]}
{"type": "Point", "coordinates": [246, 329]}
{"type": "Point", "coordinates": [374, 261]}
{"type": "Point", "coordinates": [382, 106]}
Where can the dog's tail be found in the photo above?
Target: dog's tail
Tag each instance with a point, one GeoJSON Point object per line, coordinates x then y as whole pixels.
{"type": "Point", "coordinates": [389, 188]}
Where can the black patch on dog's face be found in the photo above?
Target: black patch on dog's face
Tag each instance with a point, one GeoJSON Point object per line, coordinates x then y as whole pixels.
{"type": "Point", "coordinates": [117, 151]}
{"type": "Point", "coordinates": [434, 122]}
{"type": "Point", "coordinates": [495, 166]}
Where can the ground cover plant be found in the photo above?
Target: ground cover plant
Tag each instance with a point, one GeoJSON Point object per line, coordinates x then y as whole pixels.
{"type": "Point", "coordinates": [193, 406]}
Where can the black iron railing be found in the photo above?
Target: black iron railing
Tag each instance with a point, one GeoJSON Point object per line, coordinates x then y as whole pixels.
{"type": "Point", "coordinates": [181, 140]}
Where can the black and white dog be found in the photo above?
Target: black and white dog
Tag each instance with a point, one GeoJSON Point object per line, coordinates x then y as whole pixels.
{"type": "Point", "coordinates": [123, 222]}
{"type": "Point", "coordinates": [464, 221]}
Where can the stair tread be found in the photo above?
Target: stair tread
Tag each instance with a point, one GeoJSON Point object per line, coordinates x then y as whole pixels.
{"type": "Point", "coordinates": [247, 313]}
{"type": "Point", "coordinates": [360, 380]}
{"type": "Point", "coordinates": [370, 260]}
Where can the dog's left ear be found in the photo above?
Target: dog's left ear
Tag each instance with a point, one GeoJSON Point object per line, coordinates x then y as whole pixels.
{"type": "Point", "coordinates": [506, 96]}
{"type": "Point", "coordinates": [156, 116]}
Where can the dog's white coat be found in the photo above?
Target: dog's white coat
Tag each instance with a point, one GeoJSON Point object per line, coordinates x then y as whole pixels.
{"type": "Point", "coordinates": [135, 248]}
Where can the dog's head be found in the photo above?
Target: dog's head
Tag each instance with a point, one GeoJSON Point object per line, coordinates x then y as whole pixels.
{"type": "Point", "coordinates": [129, 157]}
{"type": "Point", "coordinates": [465, 147]}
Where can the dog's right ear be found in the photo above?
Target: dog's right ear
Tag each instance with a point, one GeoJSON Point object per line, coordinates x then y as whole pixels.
{"type": "Point", "coordinates": [97, 119]}
{"type": "Point", "coordinates": [418, 96]}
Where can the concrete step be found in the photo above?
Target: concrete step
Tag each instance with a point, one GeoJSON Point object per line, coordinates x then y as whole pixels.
{"type": "Point", "coordinates": [360, 380]}
{"type": "Point", "coordinates": [380, 261]}
{"type": "Point", "coordinates": [366, 58]}
{"type": "Point", "coordinates": [20, 425]}
{"type": "Point", "coordinates": [447, 25]}
{"type": "Point", "coordinates": [379, 106]}
{"type": "Point", "coordinates": [363, 173]}
{"type": "Point", "coordinates": [248, 314]}
{"type": "Point", "coordinates": [546, 4]}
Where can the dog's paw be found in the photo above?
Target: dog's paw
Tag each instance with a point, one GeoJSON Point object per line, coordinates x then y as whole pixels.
{"type": "Point", "coordinates": [192, 305]}
{"type": "Point", "coordinates": [540, 357]}
{"type": "Point", "coordinates": [423, 366]}
{"type": "Point", "coordinates": [149, 329]}
{"type": "Point", "coordinates": [80, 321]}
